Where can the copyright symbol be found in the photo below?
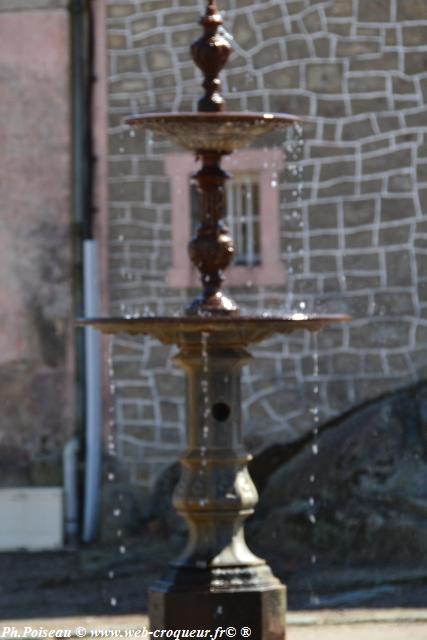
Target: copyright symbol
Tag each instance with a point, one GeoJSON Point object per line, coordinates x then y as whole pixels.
{"type": "Point", "coordinates": [230, 632]}
{"type": "Point", "coordinates": [245, 632]}
{"type": "Point", "coordinates": [80, 632]}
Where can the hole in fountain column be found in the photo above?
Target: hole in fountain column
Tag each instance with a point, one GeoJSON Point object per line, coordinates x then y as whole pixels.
{"type": "Point", "coordinates": [221, 411]}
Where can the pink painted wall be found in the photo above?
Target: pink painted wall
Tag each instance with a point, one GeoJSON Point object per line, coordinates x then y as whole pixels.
{"type": "Point", "coordinates": [35, 243]}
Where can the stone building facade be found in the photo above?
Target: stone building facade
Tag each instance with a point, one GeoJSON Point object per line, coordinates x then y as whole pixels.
{"type": "Point", "coordinates": [353, 233]}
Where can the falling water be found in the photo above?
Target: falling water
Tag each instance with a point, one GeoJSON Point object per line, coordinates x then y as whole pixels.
{"type": "Point", "coordinates": [206, 410]}
{"type": "Point", "coordinates": [314, 410]}
{"type": "Point", "coordinates": [111, 465]}
{"type": "Point", "coordinates": [292, 206]}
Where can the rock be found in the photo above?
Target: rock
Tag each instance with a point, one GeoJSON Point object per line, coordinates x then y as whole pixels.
{"type": "Point", "coordinates": [368, 501]}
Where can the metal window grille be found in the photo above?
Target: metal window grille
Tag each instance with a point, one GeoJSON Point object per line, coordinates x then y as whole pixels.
{"type": "Point", "coordinates": [242, 215]}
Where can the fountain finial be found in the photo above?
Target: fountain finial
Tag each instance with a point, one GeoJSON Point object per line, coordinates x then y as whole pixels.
{"type": "Point", "coordinates": [210, 53]}
{"type": "Point", "coordinates": [212, 9]}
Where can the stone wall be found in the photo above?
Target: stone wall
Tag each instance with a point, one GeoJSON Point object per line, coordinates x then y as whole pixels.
{"type": "Point", "coordinates": [36, 379]}
{"type": "Point", "coordinates": [354, 239]}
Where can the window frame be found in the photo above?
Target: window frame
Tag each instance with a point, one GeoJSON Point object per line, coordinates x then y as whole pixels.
{"type": "Point", "coordinates": [266, 164]}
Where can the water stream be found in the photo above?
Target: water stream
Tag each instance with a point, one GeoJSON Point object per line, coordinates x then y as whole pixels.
{"type": "Point", "coordinates": [116, 497]}
{"type": "Point", "coordinates": [315, 411]}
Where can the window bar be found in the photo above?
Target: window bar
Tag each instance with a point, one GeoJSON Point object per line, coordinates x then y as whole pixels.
{"type": "Point", "coordinates": [257, 225]}
{"type": "Point", "coordinates": [250, 223]}
{"type": "Point", "coordinates": [230, 212]}
{"type": "Point", "coordinates": [238, 221]}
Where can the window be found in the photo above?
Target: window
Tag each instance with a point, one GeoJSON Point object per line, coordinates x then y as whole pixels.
{"type": "Point", "coordinates": [252, 213]}
{"type": "Point", "coordinates": [242, 216]}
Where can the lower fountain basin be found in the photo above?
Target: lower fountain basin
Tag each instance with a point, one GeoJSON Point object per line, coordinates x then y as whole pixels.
{"type": "Point", "coordinates": [237, 331]}
{"type": "Point", "coordinates": [220, 132]}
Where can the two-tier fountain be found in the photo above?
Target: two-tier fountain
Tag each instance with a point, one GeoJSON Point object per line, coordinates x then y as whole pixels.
{"type": "Point", "coordinates": [217, 581]}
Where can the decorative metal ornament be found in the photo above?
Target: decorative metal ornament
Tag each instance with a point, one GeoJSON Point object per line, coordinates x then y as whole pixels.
{"type": "Point", "coordinates": [210, 53]}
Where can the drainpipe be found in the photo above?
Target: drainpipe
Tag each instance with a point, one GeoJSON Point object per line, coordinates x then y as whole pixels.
{"type": "Point", "coordinates": [88, 350]}
{"type": "Point", "coordinates": [93, 396]}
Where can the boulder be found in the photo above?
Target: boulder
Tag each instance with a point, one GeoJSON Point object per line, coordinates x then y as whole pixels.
{"type": "Point", "coordinates": [354, 495]}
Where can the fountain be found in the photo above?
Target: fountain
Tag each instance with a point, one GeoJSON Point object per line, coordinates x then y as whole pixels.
{"type": "Point", "coordinates": [217, 582]}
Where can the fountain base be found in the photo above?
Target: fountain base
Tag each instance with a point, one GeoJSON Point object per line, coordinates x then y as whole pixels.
{"type": "Point", "coordinates": [217, 584]}
{"type": "Point", "coordinates": [221, 599]}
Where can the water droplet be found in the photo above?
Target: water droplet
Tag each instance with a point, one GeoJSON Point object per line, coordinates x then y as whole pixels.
{"type": "Point", "coordinates": [302, 305]}
{"type": "Point", "coordinates": [122, 548]}
{"type": "Point", "coordinates": [113, 602]}
{"type": "Point", "coordinates": [116, 513]}
{"type": "Point", "coordinates": [312, 518]}
{"type": "Point", "coordinates": [111, 476]}
{"type": "Point", "coordinates": [313, 559]}
{"type": "Point", "coordinates": [312, 478]}
{"type": "Point", "coordinates": [111, 574]}
{"type": "Point", "coordinates": [311, 501]}
{"type": "Point", "coordinates": [315, 449]}
{"type": "Point", "coordinates": [131, 133]}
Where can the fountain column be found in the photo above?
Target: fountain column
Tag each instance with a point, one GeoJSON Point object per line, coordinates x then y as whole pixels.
{"type": "Point", "coordinates": [217, 581]}
{"type": "Point", "coordinates": [212, 249]}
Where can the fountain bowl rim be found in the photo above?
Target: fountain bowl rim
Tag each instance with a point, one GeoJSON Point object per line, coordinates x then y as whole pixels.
{"type": "Point", "coordinates": [279, 119]}
{"type": "Point", "coordinates": [238, 330]}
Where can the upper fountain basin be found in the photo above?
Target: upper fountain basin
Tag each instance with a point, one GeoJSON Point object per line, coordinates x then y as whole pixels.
{"type": "Point", "coordinates": [236, 331]}
{"type": "Point", "coordinates": [220, 132]}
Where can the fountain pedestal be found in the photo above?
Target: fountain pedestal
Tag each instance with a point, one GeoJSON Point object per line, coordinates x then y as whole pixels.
{"type": "Point", "coordinates": [217, 581]}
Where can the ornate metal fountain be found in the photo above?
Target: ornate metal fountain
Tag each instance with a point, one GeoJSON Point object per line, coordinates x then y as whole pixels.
{"type": "Point", "coordinates": [217, 581]}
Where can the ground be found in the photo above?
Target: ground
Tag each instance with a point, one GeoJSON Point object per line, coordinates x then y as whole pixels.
{"type": "Point", "coordinates": [396, 624]}
{"type": "Point", "coordinates": [102, 581]}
